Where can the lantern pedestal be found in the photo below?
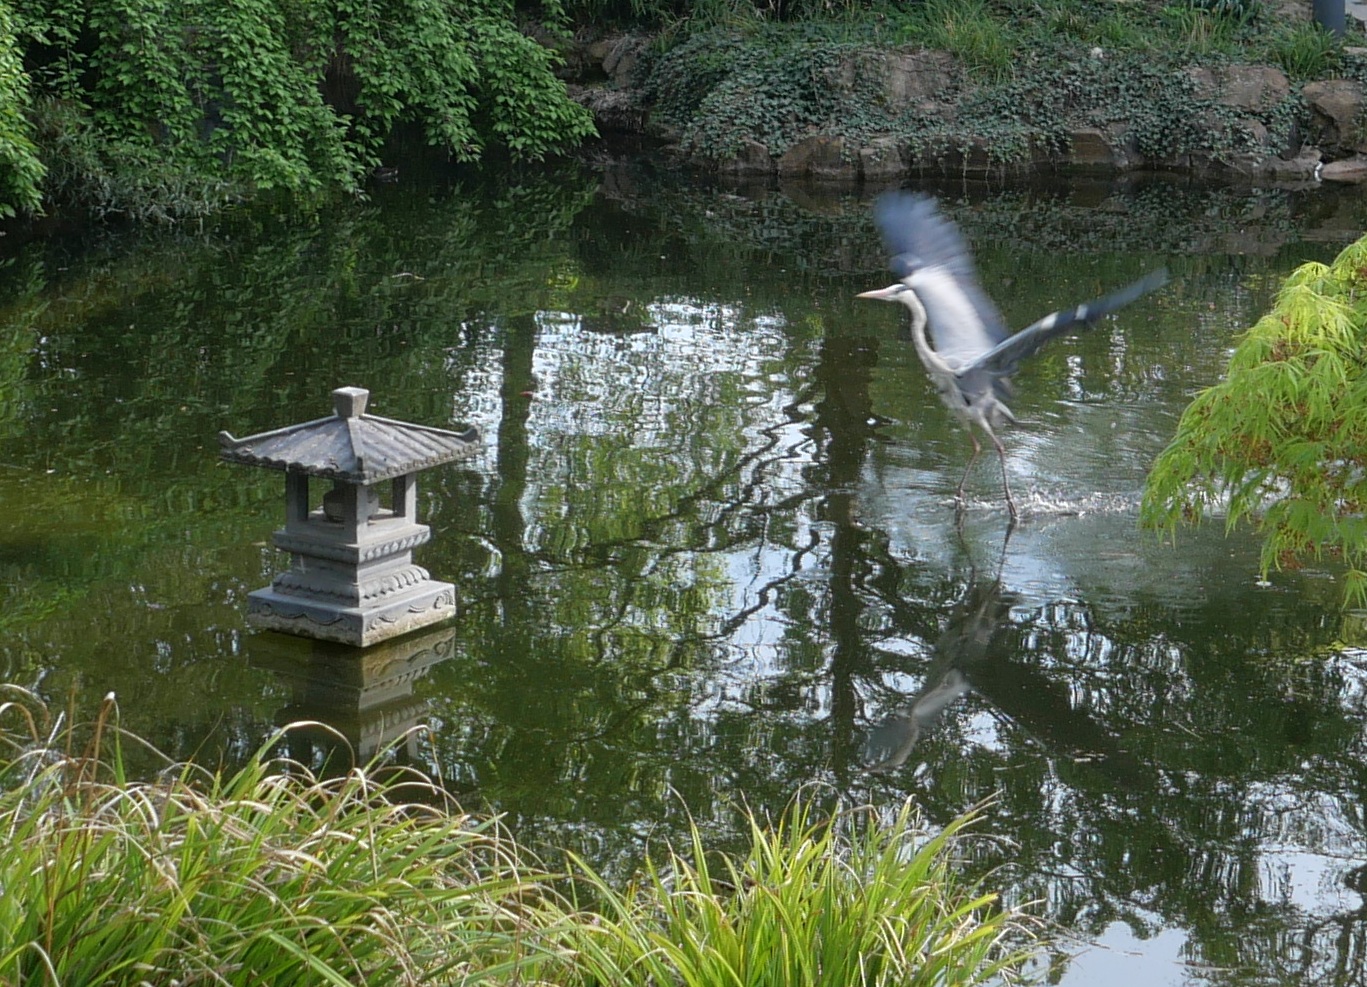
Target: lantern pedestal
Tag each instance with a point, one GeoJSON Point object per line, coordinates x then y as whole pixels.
{"type": "Point", "coordinates": [352, 578]}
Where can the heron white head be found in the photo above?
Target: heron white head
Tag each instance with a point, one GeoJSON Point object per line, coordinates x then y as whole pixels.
{"type": "Point", "coordinates": [892, 293]}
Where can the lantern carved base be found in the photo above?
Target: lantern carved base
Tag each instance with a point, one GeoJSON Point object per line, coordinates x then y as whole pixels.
{"type": "Point", "coordinates": [428, 603]}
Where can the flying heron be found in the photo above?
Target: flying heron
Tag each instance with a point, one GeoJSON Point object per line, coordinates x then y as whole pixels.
{"type": "Point", "coordinates": [974, 354]}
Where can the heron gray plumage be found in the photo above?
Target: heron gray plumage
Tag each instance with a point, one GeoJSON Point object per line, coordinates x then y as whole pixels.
{"type": "Point", "coordinates": [973, 354]}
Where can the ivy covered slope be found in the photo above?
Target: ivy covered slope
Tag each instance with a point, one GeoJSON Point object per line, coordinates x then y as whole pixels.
{"type": "Point", "coordinates": [172, 107]}
{"type": "Point", "coordinates": [1282, 440]}
{"type": "Point", "coordinates": [1243, 86]}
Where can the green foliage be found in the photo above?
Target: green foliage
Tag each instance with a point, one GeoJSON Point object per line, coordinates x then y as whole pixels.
{"type": "Point", "coordinates": [853, 899]}
{"type": "Point", "coordinates": [264, 876]}
{"type": "Point", "coordinates": [524, 102]}
{"type": "Point", "coordinates": [21, 171]}
{"type": "Point", "coordinates": [1306, 51]}
{"type": "Point", "coordinates": [159, 99]}
{"type": "Point", "coordinates": [270, 875]}
{"type": "Point", "coordinates": [1016, 94]}
{"type": "Point", "coordinates": [1281, 442]}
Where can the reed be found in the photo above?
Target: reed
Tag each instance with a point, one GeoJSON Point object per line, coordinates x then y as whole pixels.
{"type": "Point", "coordinates": [265, 876]}
{"type": "Point", "coordinates": [848, 900]}
{"type": "Point", "coordinates": [270, 875]}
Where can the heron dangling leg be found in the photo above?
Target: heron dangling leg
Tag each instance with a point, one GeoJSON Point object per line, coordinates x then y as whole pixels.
{"type": "Point", "coordinates": [1006, 484]}
{"type": "Point", "coordinates": [959, 493]}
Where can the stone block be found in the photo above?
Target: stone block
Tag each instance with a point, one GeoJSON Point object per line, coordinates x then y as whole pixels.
{"type": "Point", "coordinates": [753, 158]}
{"type": "Point", "coordinates": [904, 77]}
{"type": "Point", "coordinates": [882, 159]}
{"type": "Point", "coordinates": [1249, 88]}
{"type": "Point", "coordinates": [1103, 149]}
{"type": "Point", "coordinates": [819, 156]}
{"type": "Point", "coordinates": [917, 76]}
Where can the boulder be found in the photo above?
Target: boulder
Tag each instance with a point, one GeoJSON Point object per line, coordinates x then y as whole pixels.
{"type": "Point", "coordinates": [753, 158]}
{"type": "Point", "coordinates": [1249, 88]}
{"type": "Point", "coordinates": [598, 50]}
{"type": "Point", "coordinates": [1335, 106]}
{"type": "Point", "coordinates": [820, 156]}
{"type": "Point", "coordinates": [1350, 171]}
{"type": "Point", "coordinates": [1254, 162]}
{"type": "Point", "coordinates": [614, 110]}
{"type": "Point", "coordinates": [622, 57]}
{"type": "Point", "coordinates": [1301, 168]}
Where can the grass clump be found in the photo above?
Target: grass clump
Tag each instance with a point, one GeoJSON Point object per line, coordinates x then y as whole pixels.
{"type": "Point", "coordinates": [847, 900]}
{"type": "Point", "coordinates": [270, 875]}
{"type": "Point", "coordinates": [265, 876]}
{"type": "Point", "coordinates": [1306, 51]}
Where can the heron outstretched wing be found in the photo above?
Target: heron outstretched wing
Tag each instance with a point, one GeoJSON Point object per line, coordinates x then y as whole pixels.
{"type": "Point", "coordinates": [929, 255]}
{"type": "Point", "coordinates": [1004, 358]}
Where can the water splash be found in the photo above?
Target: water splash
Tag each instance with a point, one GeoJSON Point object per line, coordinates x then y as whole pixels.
{"type": "Point", "coordinates": [1064, 503]}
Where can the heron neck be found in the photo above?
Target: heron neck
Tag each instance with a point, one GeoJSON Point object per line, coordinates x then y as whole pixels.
{"type": "Point", "coordinates": [928, 356]}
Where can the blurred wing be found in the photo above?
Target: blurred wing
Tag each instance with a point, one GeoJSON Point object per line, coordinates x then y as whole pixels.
{"type": "Point", "coordinates": [1003, 359]}
{"type": "Point", "coordinates": [930, 255]}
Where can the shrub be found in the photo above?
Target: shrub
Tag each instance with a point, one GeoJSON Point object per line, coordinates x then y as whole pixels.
{"type": "Point", "coordinates": [265, 94]}
{"type": "Point", "coordinates": [21, 171]}
{"type": "Point", "coordinates": [1281, 442]}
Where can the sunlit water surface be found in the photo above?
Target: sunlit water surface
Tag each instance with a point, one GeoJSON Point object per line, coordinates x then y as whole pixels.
{"type": "Point", "coordinates": [707, 553]}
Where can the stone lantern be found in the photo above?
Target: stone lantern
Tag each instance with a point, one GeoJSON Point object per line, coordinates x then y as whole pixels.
{"type": "Point", "coordinates": [352, 579]}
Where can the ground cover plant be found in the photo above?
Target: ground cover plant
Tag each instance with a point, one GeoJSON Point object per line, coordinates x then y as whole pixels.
{"type": "Point", "coordinates": [1027, 73]}
{"type": "Point", "coordinates": [271, 875]}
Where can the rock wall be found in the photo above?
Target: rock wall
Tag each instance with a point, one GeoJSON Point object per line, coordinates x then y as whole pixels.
{"type": "Point", "coordinates": [1333, 146]}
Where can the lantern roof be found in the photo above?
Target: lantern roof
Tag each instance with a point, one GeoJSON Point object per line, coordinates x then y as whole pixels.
{"type": "Point", "coordinates": [350, 445]}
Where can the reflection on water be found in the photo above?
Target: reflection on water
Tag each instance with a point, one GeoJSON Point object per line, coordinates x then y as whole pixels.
{"type": "Point", "coordinates": [708, 553]}
{"type": "Point", "coordinates": [362, 701]}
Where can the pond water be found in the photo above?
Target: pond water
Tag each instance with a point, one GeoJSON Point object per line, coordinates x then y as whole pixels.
{"type": "Point", "coordinates": [707, 553]}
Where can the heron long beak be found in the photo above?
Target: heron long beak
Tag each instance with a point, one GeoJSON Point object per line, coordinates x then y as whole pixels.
{"type": "Point", "coordinates": [882, 294]}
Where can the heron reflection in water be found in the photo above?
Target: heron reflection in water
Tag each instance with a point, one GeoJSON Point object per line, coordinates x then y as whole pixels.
{"type": "Point", "coordinates": [978, 631]}
{"type": "Point", "coordinates": [974, 354]}
{"type": "Point", "coordinates": [980, 652]}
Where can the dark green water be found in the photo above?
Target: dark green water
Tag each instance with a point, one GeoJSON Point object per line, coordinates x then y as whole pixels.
{"type": "Point", "coordinates": [707, 553]}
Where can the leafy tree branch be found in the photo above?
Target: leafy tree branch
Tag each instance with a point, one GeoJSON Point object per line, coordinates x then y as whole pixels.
{"type": "Point", "coordinates": [1281, 442]}
{"type": "Point", "coordinates": [170, 107]}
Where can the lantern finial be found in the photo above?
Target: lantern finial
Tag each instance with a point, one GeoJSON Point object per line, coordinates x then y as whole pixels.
{"type": "Point", "coordinates": [350, 402]}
